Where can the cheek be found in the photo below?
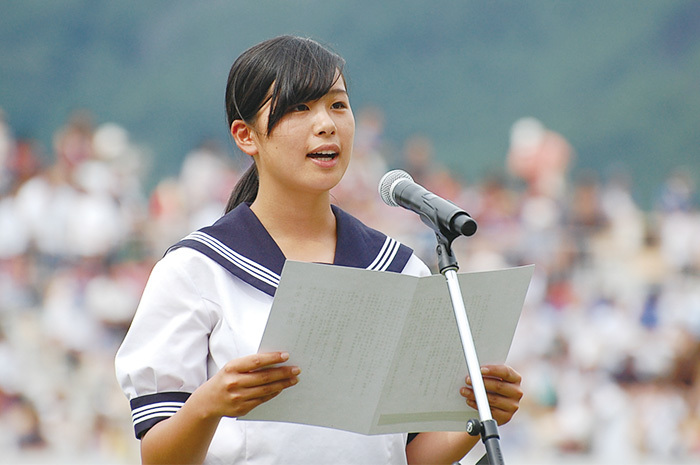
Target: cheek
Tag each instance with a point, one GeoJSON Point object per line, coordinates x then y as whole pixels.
{"type": "Point", "coordinates": [284, 141]}
{"type": "Point", "coordinates": [348, 128]}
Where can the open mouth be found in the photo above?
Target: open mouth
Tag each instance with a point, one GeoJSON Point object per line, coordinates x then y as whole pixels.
{"type": "Point", "coordinates": [323, 156]}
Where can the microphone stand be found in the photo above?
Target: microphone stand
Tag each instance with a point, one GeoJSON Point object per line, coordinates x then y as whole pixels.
{"type": "Point", "coordinates": [485, 426]}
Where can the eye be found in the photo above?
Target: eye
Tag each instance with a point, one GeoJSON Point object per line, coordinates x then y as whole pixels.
{"type": "Point", "coordinates": [339, 105]}
{"type": "Point", "coordinates": [300, 107]}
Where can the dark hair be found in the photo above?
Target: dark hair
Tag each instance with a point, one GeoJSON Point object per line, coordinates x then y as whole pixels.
{"type": "Point", "coordinates": [286, 71]}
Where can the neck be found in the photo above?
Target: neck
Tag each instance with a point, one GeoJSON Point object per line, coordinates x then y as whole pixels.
{"type": "Point", "coordinates": [308, 213]}
{"type": "Point", "coordinates": [303, 227]}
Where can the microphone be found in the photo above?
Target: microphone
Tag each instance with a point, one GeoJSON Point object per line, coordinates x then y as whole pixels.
{"type": "Point", "coordinates": [397, 188]}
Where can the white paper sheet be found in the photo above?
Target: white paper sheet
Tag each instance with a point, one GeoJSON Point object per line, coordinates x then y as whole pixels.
{"type": "Point", "coordinates": [380, 352]}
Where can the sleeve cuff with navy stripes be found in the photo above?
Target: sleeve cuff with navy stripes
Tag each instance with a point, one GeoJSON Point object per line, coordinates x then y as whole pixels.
{"type": "Point", "coordinates": [148, 410]}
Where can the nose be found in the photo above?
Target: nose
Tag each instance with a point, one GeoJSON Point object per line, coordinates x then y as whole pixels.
{"type": "Point", "coordinates": [325, 124]}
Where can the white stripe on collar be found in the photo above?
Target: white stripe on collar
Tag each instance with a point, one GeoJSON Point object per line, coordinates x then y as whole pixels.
{"type": "Point", "coordinates": [249, 266]}
{"type": "Point", "coordinates": [385, 256]}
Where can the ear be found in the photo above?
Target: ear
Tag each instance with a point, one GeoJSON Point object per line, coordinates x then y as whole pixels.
{"type": "Point", "coordinates": [243, 135]}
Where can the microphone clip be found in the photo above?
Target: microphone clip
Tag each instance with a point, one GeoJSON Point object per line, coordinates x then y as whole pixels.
{"type": "Point", "coordinates": [445, 256]}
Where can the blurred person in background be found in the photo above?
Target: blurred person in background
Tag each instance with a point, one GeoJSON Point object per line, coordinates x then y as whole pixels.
{"type": "Point", "coordinates": [68, 276]}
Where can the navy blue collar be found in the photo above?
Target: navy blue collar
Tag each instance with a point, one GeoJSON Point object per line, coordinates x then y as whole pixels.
{"type": "Point", "coordinates": [242, 245]}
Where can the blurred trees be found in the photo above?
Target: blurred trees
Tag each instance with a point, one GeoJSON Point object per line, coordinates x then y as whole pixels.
{"type": "Point", "coordinates": [618, 79]}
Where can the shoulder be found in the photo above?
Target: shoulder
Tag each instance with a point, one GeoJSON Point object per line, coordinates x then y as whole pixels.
{"type": "Point", "coordinates": [187, 273]}
{"type": "Point", "coordinates": [416, 267]}
{"type": "Point", "coordinates": [184, 261]}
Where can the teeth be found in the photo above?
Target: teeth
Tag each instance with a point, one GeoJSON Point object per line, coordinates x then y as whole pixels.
{"type": "Point", "coordinates": [325, 155]}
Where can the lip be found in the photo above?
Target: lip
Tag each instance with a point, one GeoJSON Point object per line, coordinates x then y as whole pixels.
{"type": "Point", "coordinates": [323, 163]}
{"type": "Point", "coordinates": [327, 148]}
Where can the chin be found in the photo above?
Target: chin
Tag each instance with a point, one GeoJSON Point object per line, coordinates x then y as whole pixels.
{"type": "Point", "coordinates": [328, 183]}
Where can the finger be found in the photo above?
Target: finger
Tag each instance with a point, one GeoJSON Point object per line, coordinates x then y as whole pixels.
{"type": "Point", "coordinates": [255, 362]}
{"type": "Point", "coordinates": [502, 417]}
{"type": "Point", "coordinates": [271, 389]}
{"type": "Point", "coordinates": [262, 377]}
{"type": "Point", "coordinates": [256, 395]}
{"type": "Point", "coordinates": [246, 406]}
{"type": "Point", "coordinates": [506, 404]}
{"type": "Point", "coordinates": [261, 394]}
{"type": "Point", "coordinates": [242, 399]}
{"type": "Point", "coordinates": [503, 388]}
{"type": "Point", "coordinates": [499, 392]}
{"type": "Point", "coordinates": [502, 408]}
{"type": "Point", "coordinates": [505, 372]}
{"type": "Point", "coordinates": [512, 398]}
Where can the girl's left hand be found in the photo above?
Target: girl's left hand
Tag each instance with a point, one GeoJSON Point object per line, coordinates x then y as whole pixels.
{"type": "Point", "coordinates": [502, 385]}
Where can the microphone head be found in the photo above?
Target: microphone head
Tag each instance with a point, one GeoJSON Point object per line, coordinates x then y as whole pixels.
{"type": "Point", "coordinates": [388, 183]}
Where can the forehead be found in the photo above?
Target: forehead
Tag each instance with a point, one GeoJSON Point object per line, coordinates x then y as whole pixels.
{"type": "Point", "coordinates": [338, 86]}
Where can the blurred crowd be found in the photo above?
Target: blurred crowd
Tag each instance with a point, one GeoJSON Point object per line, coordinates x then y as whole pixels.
{"type": "Point", "coordinates": [608, 343]}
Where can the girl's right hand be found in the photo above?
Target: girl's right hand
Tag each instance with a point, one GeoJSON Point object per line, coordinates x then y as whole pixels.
{"type": "Point", "coordinates": [246, 382]}
{"type": "Point", "coordinates": [240, 386]}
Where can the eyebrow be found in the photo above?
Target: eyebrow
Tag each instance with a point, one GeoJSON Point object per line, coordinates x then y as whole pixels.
{"type": "Point", "coordinates": [337, 91]}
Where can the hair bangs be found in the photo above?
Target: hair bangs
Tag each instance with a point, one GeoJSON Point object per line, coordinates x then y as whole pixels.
{"type": "Point", "coordinates": [308, 74]}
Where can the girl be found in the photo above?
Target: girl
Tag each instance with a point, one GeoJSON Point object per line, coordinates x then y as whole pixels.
{"type": "Point", "coordinates": [188, 363]}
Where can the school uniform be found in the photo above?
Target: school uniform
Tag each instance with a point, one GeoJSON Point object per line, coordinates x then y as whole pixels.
{"type": "Point", "coordinates": [206, 302]}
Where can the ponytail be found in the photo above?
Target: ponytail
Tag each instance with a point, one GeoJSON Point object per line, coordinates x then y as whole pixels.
{"type": "Point", "coordinates": [245, 190]}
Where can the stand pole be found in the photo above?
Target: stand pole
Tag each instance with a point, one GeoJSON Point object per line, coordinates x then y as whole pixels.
{"type": "Point", "coordinates": [486, 426]}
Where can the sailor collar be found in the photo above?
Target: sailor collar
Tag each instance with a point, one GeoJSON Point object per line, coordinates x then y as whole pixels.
{"type": "Point", "coordinates": [240, 243]}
